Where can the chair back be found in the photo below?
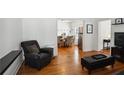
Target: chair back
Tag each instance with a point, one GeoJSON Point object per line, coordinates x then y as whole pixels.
{"type": "Point", "coordinates": [25, 44]}
{"type": "Point", "coordinates": [58, 39]}
{"type": "Point", "coordinates": [69, 40]}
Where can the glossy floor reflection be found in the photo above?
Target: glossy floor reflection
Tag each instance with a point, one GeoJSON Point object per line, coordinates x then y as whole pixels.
{"type": "Point", "coordinates": [68, 62]}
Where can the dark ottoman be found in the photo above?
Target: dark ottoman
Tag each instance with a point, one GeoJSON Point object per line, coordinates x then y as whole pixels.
{"type": "Point", "coordinates": [97, 61]}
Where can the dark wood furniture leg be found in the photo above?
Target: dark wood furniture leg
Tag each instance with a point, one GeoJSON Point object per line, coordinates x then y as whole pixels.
{"type": "Point", "coordinates": [112, 65]}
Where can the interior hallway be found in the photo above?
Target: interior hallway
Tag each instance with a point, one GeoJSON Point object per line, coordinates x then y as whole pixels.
{"type": "Point", "coordinates": [68, 63]}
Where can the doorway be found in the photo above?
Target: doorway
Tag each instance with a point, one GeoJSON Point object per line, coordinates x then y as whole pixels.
{"type": "Point", "coordinates": [70, 33]}
{"type": "Point", "coordinates": [104, 35]}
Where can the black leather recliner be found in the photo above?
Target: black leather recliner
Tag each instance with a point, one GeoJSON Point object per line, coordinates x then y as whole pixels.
{"type": "Point", "coordinates": [36, 60]}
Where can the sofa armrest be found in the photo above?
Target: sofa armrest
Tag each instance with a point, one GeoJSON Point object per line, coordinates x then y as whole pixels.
{"type": "Point", "coordinates": [32, 56]}
{"type": "Point", "coordinates": [47, 50]}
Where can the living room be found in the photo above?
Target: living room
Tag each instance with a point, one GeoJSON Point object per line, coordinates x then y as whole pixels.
{"type": "Point", "coordinates": [44, 30]}
{"type": "Point", "coordinates": [31, 60]}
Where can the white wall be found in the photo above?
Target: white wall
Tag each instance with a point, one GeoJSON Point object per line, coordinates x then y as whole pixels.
{"type": "Point", "coordinates": [10, 35]}
{"type": "Point", "coordinates": [104, 32]}
{"type": "Point", "coordinates": [77, 23]}
{"type": "Point", "coordinates": [44, 30]}
{"type": "Point", "coordinates": [90, 40]}
{"type": "Point", "coordinates": [10, 38]}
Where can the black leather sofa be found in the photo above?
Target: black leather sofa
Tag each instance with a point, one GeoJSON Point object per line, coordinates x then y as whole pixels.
{"type": "Point", "coordinates": [38, 59]}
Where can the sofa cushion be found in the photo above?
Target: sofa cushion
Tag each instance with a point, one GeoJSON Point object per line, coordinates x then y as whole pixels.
{"type": "Point", "coordinates": [44, 55]}
{"type": "Point", "coordinates": [33, 49]}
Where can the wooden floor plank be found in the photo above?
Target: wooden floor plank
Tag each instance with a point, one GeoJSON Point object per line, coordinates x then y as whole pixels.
{"type": "Point", "coordinates": [68, 62]}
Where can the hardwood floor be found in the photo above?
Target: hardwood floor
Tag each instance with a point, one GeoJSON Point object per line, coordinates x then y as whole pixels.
{"type": "Point", "coordinates": [68, 62]}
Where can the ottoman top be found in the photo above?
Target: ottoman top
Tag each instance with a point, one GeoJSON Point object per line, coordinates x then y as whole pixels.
{"type": "Point", "coordinates": [95, 58]}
